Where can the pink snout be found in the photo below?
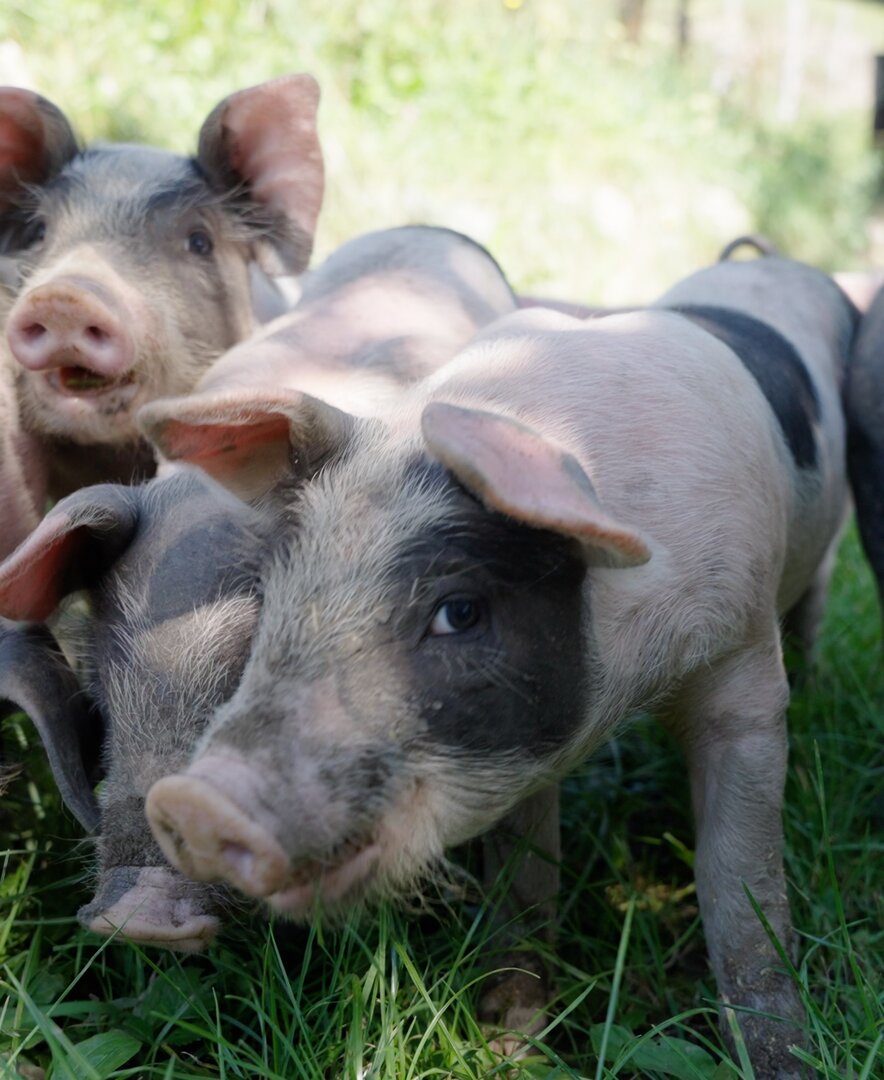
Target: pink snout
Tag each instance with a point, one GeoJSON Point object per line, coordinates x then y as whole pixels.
{"type": "Point", "coordinates": [205, 833]}
{"type": "Point", "coordinates": [71, 323]}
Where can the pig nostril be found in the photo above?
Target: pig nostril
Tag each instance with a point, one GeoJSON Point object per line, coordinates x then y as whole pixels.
{"type": "Point", "coordinates": [32, 332]}
{"type": "Point", "coordinates": [96, 334]}
{"type": "Point", "coordinates": [240, 860]}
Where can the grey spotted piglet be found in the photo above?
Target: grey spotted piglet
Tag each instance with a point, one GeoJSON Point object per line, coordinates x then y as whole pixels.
{"type": "Point", "coordinates": [570, 522]}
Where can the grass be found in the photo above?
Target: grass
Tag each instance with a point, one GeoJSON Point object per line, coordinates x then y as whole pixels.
{"type": "Point", "coordinates": [593, 170]}
{"type": "Point", "coordinates": [394, 996]}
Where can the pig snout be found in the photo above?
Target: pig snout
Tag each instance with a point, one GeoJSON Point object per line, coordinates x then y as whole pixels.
{"type": "Point", "coordinates": [74, 327]}
{"type": "Point", "coordinates": [152, 905]}
{"type": "Point", "coordinates": [218, 829]}
{"type": "Point", "coordinates": [208, 828]}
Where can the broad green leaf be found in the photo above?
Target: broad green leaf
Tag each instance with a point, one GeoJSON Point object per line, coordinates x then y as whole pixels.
{"type": "Point", "coordinates": [665, 1055]}
{"type": "Point", "coordinates": [105, 1052]}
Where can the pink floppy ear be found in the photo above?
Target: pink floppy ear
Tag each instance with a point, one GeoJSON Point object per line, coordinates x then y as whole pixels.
{"type": "Point", "coordinates": [265, 137]}
{"type": "Point", "coordinates": [35, 142]}
{"type": "Point", "coordinates": [70, 548]}
{"type": "Point", "coordinates": [517, 472]}
{"type": "Point", "coordinates": [247, 441]}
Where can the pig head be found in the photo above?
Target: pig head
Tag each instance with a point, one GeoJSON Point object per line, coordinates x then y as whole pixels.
{"type": "Point", "coordinates": [129, 267]}
{"type": "Point", "coordinates": [170, 570]}
{"type": "Point", "coordinates": [571, 522]}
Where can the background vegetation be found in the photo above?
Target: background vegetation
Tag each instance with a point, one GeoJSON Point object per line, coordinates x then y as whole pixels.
{"type": "Point", "coordinates": [598, 168]}
{"type": "Point", "coordinates": [592, 166]}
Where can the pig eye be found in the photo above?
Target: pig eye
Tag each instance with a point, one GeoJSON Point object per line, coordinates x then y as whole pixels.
{"type": "Point", "coordinates": [456, 616]}
{"type": "Point", "coordinates": [199, 242]}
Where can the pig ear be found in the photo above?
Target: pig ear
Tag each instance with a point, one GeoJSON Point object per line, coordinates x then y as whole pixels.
{"type": "Point", "coordinates": [36, 141]}
{"type": "Point", "coordinates": [70, 549]}
{"type": "Point", "coordinates": [517, 472]}
{"type": "Point", "coordinates": [248, 442]}
{"type": "Point", "coordinates": [266, 138]}
{"type": "Point", "coordinates": [36, 678]}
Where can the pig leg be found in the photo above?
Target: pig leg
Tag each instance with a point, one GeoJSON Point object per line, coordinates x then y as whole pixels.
{"type": "Point", "coordinates": [731, 721]}
{"type": "Point", "coordinates": [802, 623]}
{"type": "Point", "coordinates": [514, 1000]}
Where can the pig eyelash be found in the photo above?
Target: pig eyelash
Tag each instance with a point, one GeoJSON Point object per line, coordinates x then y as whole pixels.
{"type": "Point", "coordinates": [32, 234]}
{"type": "Point", "coordinates": [256, 222]}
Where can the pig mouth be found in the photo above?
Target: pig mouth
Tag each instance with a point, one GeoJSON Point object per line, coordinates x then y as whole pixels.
{"type": "Point", "coordinates": [153, 906]}
{"type": "Point", "coordinates": [329, 882]}
{"type": "Point", "coordinates": [205, 834]}
{"type": "Point", "coordinates": [82, 382]}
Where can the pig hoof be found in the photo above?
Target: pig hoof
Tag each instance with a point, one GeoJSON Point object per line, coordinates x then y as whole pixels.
{"type": "Point", "coordinates": [514, 1005]}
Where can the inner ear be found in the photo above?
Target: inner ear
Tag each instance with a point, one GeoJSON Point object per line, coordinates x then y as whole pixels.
{"type": "Point", "coordinates": [266, 138]}
{"type": "Point", "coordinates": [516, 471]}
{"type": "Point", "coordinates": [246, 442]}
{"type": "Point", "coordinates": [36, 141]}
{"type": "Point", "coordinates": [71, 548]}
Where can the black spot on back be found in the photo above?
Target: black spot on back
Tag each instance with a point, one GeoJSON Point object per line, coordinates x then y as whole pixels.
{"type": "Point", "coordinates": [775, 365]}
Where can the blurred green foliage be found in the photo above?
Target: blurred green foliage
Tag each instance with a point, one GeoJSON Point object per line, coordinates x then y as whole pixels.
{"type": "Point", "coordinates": [593, 167]}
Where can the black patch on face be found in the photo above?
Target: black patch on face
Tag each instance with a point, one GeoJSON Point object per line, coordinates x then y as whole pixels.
{"type": "Point", "coordinates": [775, 365]}
{"type": "Point", "coordinates": [187, 191]}
{"type": "Point", "coordinates": [514, 681]}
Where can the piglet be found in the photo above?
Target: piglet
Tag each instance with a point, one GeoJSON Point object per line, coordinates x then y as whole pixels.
{"type": "Point", "coordinates": [131, 268]}
{"type": "Point", "coordinates": [569, 523]}
{"type": "Point", "coordinates": [170, 569]}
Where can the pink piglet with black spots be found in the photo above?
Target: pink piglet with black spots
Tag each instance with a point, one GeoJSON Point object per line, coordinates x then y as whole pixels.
{"type": "Point", "coordinates": [570, 522]}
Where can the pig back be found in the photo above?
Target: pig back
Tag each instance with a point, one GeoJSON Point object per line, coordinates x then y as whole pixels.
{"type": "Point", "coordinates": [679, 442]}
{"type": "Point", "coordinates": [793, 327]}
